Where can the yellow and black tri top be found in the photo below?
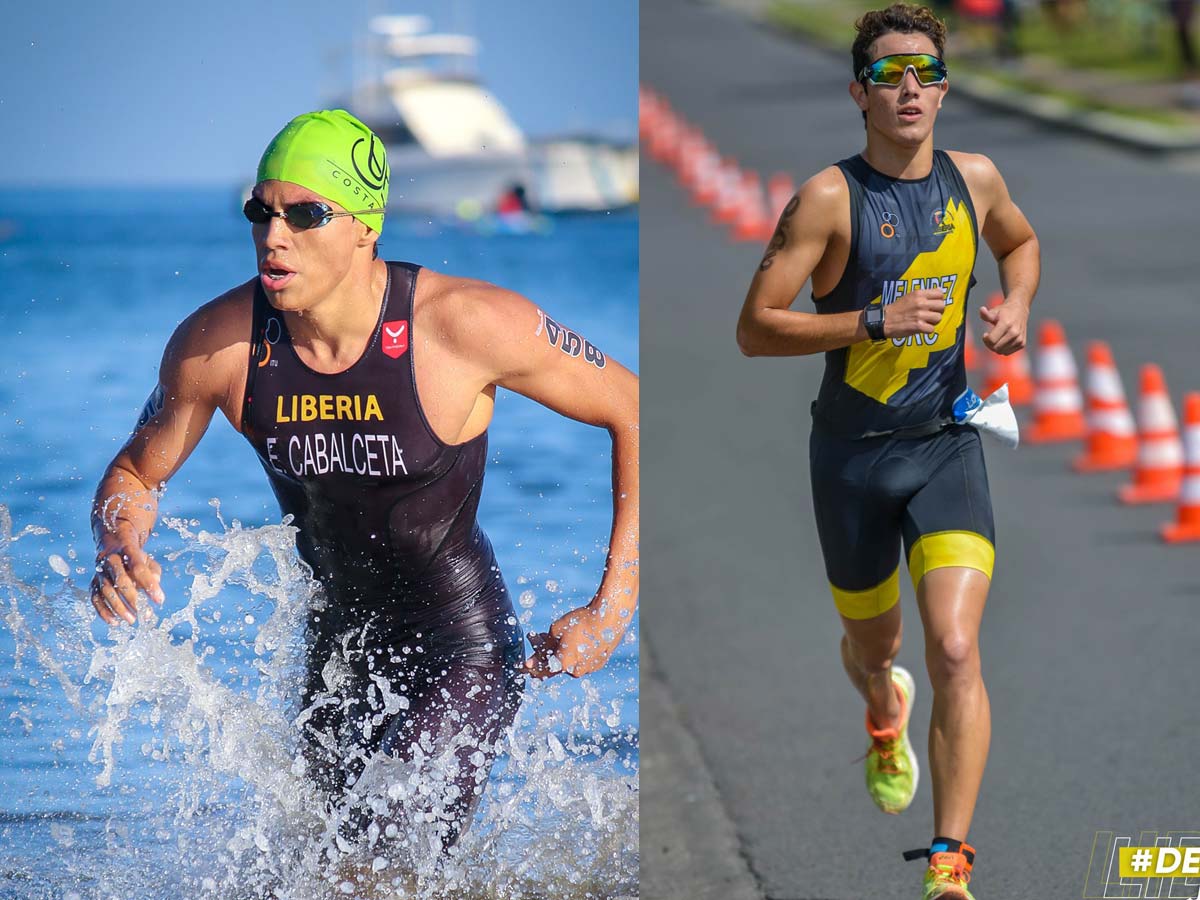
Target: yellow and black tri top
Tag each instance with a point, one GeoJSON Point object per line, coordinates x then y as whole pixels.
{"type": "Point", "coordinates": [905, 235]}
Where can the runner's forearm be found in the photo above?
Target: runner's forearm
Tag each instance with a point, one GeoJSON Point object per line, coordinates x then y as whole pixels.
{"type": "Point", "coordinates": [785, 332]}
{"type": "Point", "coordinates": [1020, 272]}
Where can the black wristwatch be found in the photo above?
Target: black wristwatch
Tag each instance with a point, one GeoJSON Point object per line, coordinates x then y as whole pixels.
{"type": "Point", "coordinates": [873, 319]}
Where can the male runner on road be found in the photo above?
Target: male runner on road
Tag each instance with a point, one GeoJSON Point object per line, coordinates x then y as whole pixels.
{"type": "Point", "coordinates": [889, 238]}
{"type": "Point", "coordinates": [366, 388]}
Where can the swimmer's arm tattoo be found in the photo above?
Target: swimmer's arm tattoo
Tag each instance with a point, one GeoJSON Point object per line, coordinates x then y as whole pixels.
{"type": "Point", "coordinates": [779, 238]}
{"type": "Point", "coordinates": [568, 341]}
{"type": "Point", "coordinates": [154, 403]}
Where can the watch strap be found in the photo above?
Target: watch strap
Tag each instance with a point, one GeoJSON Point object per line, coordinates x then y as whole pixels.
{"type": "Point", "coordinates": [873, 319]}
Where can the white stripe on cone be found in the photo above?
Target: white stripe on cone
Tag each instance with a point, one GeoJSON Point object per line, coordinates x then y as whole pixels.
{"type": "Point", "coordinates": [1058, 399]}
{"type": "Point", "coordinates": [1155, 413]}
{"type": "Point", "coordinates": [730, 189]}
{"type": "Point", "coordinates": [1191, 442]}
{"type": "Point", "coordinates": [709, 173]}
{"type": "Point", "coordinates": [1105, 384]}
{"type": "Point", "coordinates": [1056, 364]}
{"type": "Point", "coordinates": [1113, 421]}
{"type": "Point", "coordinates": [1189, 495]}
{"type": "Point", "coordinates": [1160, 453]}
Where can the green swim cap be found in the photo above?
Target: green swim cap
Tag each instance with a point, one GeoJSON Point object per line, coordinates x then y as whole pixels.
{"type": "Point", "coordinates": [333, 154]}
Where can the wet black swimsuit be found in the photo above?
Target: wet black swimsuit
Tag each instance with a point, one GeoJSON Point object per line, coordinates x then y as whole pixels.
{"type": "Point", "coordinates": [386, 513]}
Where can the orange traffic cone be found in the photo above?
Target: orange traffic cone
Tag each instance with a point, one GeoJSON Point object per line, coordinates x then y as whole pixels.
{"type": "Point", "coordinates": [650, 111]}
{"type": "Point", "coordinates": [688, 156]}
{"type": "Point", "coordinates": [664, 138]}
{"type": "Point", "coordinates": [970, 354]}
{"type": "Point", "coordinates": [753, 223]}
{"type": "Point", "coordinates": [780, 191]}
{"type": "Point", "coordinates": [1186, 526]}
{"type": "Point", "coordinates": [1159, 470]}
{"type": "Point", "coordinates": [708, 177]}
{"type": "Point", "coordinates": [1057, 404]}
{"type": "Point", "coordinates": [1012, 370]}
{"type": "Point", "coordinates": [1111, 438]}
{"type": "Point", "coordinates": [729, 191]}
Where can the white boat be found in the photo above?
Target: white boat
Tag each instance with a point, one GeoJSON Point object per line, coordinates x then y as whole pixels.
{"type": "Point", "coordinates": [452, 146]}
{"type": "Point", "coordinates": [584, 174]}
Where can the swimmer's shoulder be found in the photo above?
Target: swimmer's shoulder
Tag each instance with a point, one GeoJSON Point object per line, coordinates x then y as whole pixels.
{"type": "Point", "coordinates": [209, 350]}
{"type": "Point", "coordinates": [466, 314]}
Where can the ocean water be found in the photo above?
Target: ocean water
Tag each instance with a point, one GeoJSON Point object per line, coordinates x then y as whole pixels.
{"type": "Point", "coordinates": [160, 761]}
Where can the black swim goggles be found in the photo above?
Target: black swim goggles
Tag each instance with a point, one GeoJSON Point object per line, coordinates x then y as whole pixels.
{"type": "Point", "coordinates": [311, 214]}
{"type": "Point", "coordinates": [891, 69]}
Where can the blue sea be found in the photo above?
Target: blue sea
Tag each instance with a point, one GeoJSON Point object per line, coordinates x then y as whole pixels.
{"type": "Point", "coordinates": [153, 762]}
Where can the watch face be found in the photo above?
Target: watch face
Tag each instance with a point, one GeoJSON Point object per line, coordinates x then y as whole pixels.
{"type": "Point", "coordinates": [874, 314]}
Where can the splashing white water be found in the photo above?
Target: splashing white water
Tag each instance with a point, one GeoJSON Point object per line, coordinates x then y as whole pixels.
{"type": "Point", "coordinates": [213, 702]}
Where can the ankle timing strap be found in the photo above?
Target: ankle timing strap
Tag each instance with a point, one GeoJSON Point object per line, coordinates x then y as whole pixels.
{"type": "Point", "coordinates": [942, 845]}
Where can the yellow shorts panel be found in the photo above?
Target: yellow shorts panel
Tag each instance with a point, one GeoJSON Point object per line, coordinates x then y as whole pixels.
{"type": "Point", "coordinates": [869, 603]}
{"type": "Point", "coordinates": [943, 549]}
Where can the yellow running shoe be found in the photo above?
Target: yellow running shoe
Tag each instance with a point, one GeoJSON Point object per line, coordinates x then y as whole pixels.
{"type": "Point", "coordinates": [948, 875]}
{"type": "Point", "coordinates": [891, 765]}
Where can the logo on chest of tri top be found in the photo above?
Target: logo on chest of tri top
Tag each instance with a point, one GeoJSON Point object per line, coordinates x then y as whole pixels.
{"type": "Point", "coordinates": [889, 224]}
{"type": "Point", "coordinates": [395, 338]}
{"type": "Point", "coordinates": [271, 334]}
{"type": "Point", "coordinates": [942, 221]}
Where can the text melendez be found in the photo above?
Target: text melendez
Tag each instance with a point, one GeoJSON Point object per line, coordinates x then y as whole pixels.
{"type": "Point", "coordinates": [894, 290]}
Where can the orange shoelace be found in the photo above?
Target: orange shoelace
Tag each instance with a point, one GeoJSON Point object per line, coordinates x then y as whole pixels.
{"type": "Point", "coordinates": [885, 741]}
{"type": "Point", "coordinates": [885, 748]}
{"type": "Point", "coordinates": [955, 873]}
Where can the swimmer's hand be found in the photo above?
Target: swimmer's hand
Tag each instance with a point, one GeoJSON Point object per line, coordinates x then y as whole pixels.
{"type": "Point", "coordinates": [578, 644]}
{"type": "Point", "coordinates": [917, 312]}
{"type": "Point", "coordinates": [1008, 322]}
{"type": "Point", "coordinates": [122, 567]}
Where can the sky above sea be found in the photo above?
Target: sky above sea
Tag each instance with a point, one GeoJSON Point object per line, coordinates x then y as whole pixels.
{"type": "Point", "coordinates": [151, 93]}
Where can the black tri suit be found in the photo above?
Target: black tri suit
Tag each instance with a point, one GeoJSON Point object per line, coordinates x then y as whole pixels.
{"type": "Point", "coordinates": [886, 464]}
{"type": "Point", "coordinates": [415, 606]}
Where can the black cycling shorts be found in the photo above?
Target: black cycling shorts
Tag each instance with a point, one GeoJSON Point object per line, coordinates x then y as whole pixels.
{"type": "Point", "coordinates": [871, 493]}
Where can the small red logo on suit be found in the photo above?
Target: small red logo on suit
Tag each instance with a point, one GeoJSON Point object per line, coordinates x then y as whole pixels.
{"type": "Point", "coordinates": [395, 338]}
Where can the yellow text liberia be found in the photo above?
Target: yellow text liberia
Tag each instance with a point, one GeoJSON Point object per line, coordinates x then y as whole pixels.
{"type": "Point", "coordinates": [327, 408]}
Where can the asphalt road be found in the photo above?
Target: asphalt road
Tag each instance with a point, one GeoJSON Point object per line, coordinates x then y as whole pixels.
{"type": "Point", "coordinates": [1092, 623]}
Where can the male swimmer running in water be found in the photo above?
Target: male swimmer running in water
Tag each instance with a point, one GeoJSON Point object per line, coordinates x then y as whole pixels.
{"type": "Point", "coordinates": [366, 388]}
{"type": "Point", "coordinates": [889, 239]}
